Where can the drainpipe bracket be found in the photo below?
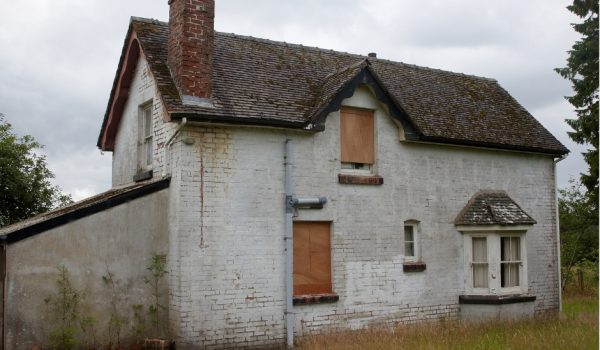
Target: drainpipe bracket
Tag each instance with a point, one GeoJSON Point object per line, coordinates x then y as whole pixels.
{"type": "Point", "coordinates": [289, 204]}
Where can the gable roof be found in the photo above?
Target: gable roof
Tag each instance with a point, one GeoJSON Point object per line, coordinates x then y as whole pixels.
{"type": "Point", "coordinates": [263, 82]}
{"type": "Point", "coordinates": [493, 208]}
{"type": "Point", "coordinates": [89, 206]}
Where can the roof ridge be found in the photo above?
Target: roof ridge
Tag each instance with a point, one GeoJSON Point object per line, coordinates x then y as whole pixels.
{"type": "Point", "coordinates": [433, 69]}
{"type": "Point", "coordinates": [286, 44]}
{"type": "Point", "coordinates": [347, 67]}
{"type": "Point", "coordinates": [370, 59]}
{"type": "Point", "coordinates": [316, 48]}
{"type": "Point", "coordinates": [147, 20]}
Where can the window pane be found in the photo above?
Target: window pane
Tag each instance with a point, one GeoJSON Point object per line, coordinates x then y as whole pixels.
{"type": "Point", "coordinates": [505, 248]}
{"type": "Point", "coordinates": [511, 249]}
{"type": "Point", "coordinates": [479, 249]}
{"type": "Point", "coordinates": [409, 249]}
{"type": "Point", "coordinates": [509, 275]}
{"type": "Point", "coordinates": [147, 121]}
{"type": "Point", "coordinates": [515, 249]}
{"type": "Point", "coordinates": [148, 146]}
{"type": "Point", "coordinates": [514, 275]}
{"type": "Point", "coordinates": [409, 234]}
{"type": "Point", "coordinates": [480, 275]}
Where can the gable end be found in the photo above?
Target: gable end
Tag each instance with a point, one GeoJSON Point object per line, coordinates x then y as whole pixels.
{"type": "Point", "coordinates": [120, 91]}
{"type": "Point", "coordinates": [365, 76]}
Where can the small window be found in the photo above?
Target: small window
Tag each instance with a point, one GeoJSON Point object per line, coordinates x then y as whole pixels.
{"type": "Point", "coordinates": [312, 258]}
{"type": "Point", "coordinates": [480, 262]}
{"type": "Point", "coordinates": [145, 156]}
{"type": "Point", "coordinates": [357, 138]}
{"type": "Point", "coordinates": [409, 240]}
{"type": "Point", "coordinates": [510, 254]}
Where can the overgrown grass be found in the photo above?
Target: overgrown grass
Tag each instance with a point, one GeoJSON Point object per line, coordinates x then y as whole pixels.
{"type": "Point", "coordinates": [577, 328]}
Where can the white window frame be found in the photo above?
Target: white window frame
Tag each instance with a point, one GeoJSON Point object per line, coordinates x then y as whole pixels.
{"type": "Point", "coordinates": [145, 141]}
{"type": "Point", "coordinates": [357, 168]}
{"type": "Point", "coordinates": [416, 246]}
{"type": "Point", "coordinates": [494, 241]}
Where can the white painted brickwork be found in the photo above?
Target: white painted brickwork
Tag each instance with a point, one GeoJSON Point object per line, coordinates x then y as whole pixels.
{"type": "Point", "coordinates": [125, 155]}
{"type": "Point", "coordinates": [226, 223]}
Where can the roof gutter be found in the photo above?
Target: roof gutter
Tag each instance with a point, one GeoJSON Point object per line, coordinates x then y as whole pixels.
{"type": "Point", "coordinates": [558, 253]}
{"type": "Point", "coordinates": [252, 121]}
{"type": "Point", "coordinates": [489, 145]}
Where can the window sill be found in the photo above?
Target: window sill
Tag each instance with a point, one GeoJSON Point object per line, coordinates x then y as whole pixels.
{"type": "Point", "coordinates": [495, 299]}
{"type": "Point", "coordinates": [143, 175]}
{"type": "Point", "coordinates": [315, 299]}
{"type": "Point", "coordinates": [413, 266]}
{"type": "Point", "coordinates": [350, 179]}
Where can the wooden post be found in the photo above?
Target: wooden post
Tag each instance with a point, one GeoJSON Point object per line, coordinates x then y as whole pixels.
{"type": "Point", "coordinates": [580, 279]}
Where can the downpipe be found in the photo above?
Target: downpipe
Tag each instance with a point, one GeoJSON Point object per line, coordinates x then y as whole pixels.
{"type": "Point", "coordinates": [289, 261]}
{"type": "Point", "coordinates": [560, 307]}
{"type": "Point", "coordinates": [292, 204]}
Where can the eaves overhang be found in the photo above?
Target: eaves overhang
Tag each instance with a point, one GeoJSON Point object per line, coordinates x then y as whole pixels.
{"type": "Point", "coordinates": [120, 90]}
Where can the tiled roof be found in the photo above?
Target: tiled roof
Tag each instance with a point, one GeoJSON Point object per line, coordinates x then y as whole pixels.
{"type": "Point", "coordinates": [259, 81]}
{"type": "Point", "coordinates": [493, 208]}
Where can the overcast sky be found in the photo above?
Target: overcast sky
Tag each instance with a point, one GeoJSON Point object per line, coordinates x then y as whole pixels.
{"type": "Point", "coordinates": [58, 58]}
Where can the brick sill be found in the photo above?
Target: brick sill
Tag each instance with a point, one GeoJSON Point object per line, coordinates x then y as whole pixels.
{"type": "Point", "coordinates": [495, 299]}
{"type": "Point", "coordinates": [315, 298]}
{"type": "Point", "coordinates": [350, 179]}
{"type": "Point", "coordinates": [413, 267]}
{"type": "Point", "coordinates": [141, 176]}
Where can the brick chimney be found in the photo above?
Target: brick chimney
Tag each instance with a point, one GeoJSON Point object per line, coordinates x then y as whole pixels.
{"type": "Point", "coordinates": [191, 32]}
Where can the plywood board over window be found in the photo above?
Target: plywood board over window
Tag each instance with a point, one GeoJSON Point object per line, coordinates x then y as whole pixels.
{"type": "Point", "coordinates": [312, 258]}
{"type": "Point", "coordinates": [357, 133]}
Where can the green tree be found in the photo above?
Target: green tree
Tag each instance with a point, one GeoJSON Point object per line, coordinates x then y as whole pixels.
{"type": "Point", "coordinates": [25, 188]}
{"type": "Point", "coordinates": [578, 230]}
{"type": "Point", "coordinates": [582, 71]}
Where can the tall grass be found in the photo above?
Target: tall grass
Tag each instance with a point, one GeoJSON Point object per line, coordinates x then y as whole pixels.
{"type": "Point", "coordinates": [577, 328]}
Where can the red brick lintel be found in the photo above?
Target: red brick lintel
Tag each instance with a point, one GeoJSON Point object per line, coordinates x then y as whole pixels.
{"type": "Point", "coordinates": [315, 298]}
{"type": "Point", "coordinates": [350, 179]}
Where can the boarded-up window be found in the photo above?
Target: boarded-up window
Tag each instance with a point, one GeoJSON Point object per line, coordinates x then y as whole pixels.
{"type": "Point", "coordinates": [357, 135]}
{"type": "Point", "coordinates": [312, 258]}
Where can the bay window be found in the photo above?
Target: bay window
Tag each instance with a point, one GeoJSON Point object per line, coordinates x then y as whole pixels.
{"type": "Point", "coordinates": [495, 262]}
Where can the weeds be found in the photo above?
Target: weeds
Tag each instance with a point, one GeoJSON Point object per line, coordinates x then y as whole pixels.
{"type": "Point", "coordinates": [157, 270]}
{"type": "Point", "coordinates": [139, 321]}
{"type": "Point", "coordinates": [115, 321]}
{"type": "Point", "coordinates": [67, 322]}
{"type": "Point", "coordinates": [576, 329]}
{"type": "Point", "coordinates": [63, 309]}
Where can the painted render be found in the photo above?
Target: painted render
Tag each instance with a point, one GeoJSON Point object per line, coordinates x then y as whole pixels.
{"type": "Point", "coordinates": [226, 229]}
{"type": "Point", "coordinates": [118, 240]}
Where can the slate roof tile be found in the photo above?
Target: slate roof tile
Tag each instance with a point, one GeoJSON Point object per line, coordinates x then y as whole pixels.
{"type": "Point", "coordinates": [284, 84]}
{"type": "Point", "coordinates": [493, 208]}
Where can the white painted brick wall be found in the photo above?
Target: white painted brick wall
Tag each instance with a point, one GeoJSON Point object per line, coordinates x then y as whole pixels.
{"type": "Point", "coordinates": [125, 155]}
{"type": "Point", "coordinates": [229, 290]}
